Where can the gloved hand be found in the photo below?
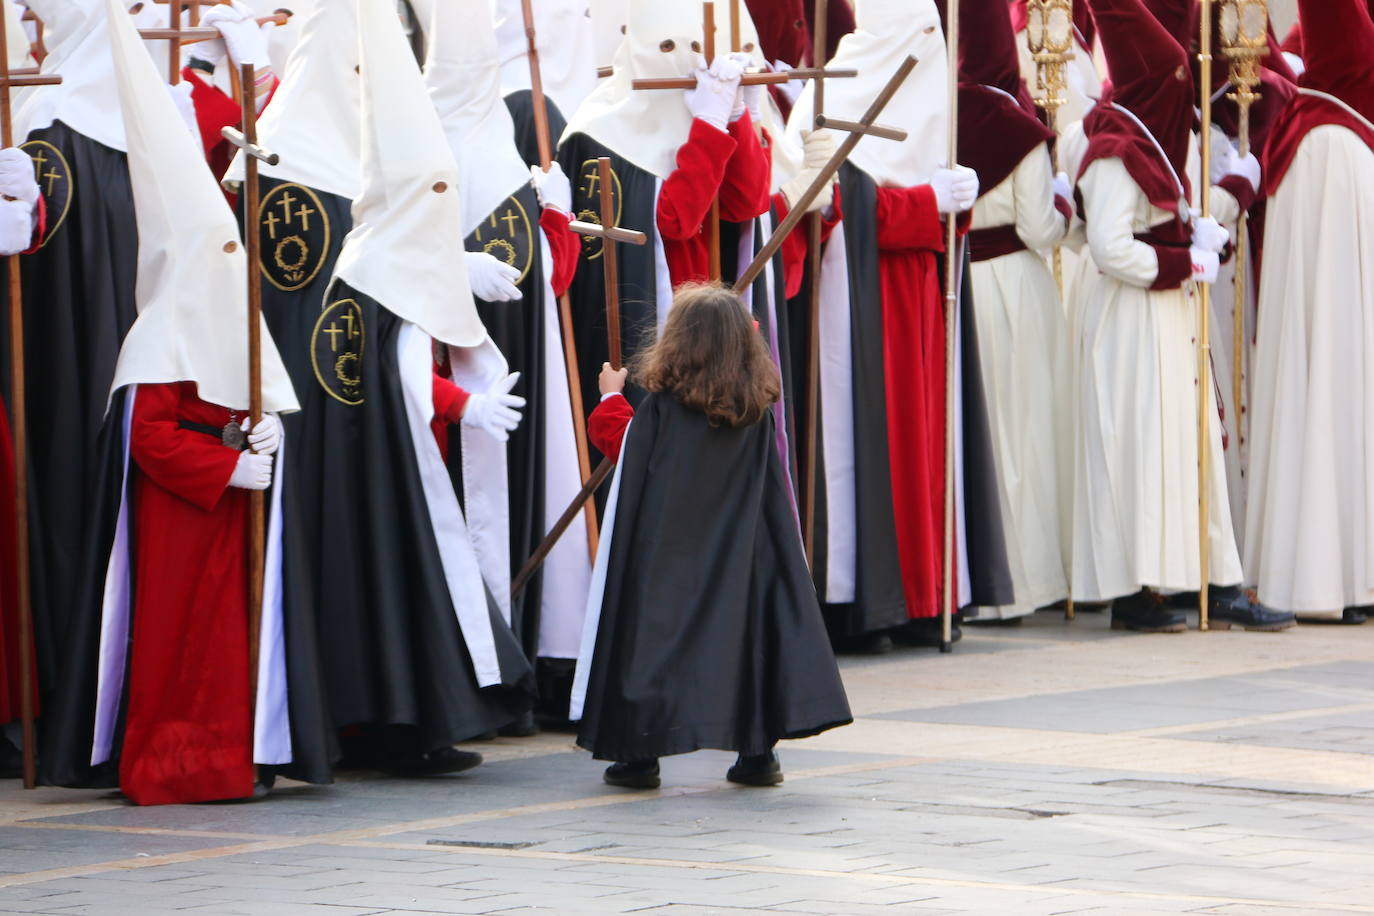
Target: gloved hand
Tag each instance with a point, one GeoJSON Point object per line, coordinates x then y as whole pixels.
{"type": "Point", "coordinates": [253, 472]}
{"type": "Point", "coordinates": [1247, 167]}
{"type": "Point", "coordinates": [750, 97]}
{"type": "Point", "coordinates": [956, 189]}
{"type": "Point", "coordinates": [16, 226]}
{"type": "Point", "coordinates": [16, 176]}
{"type": "Point", "coordinates": [717, 92]}
{"type": "Point", "coordinates": [181, 98]}
{"type": "Point", "coordinates": [1209, 235]}
{"type": "Point", "coordinates": [496, 411]}
{"type": "Point", "coordinates": [1206, 264]}
{"type": "Point", "coordinates": [265, 438]}
{"type": "Point", "coordinates": [491, 279]}
{"type": "Point", "coordinates": [238, 26]}
{"type": "Point", "coordinates": [552, 187]}
{"type": "Point", "coordinates": [818, 146]}
{"type": "Point", "coordinates": [1062, 186]}
{"type": "Point", "coordinates": [1221, 154]}
{"type": "Point", "coordinates": [792, 89]}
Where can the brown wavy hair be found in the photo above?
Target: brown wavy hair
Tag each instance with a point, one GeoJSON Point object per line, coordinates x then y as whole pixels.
{"type": "Point", "coordinates": [710, 357]}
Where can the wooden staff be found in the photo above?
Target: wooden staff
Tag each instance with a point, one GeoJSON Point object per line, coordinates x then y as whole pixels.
{"type": "Point", "coordinates": [811, 405]}
{"type": "Point", "coordinates": [247, 140]}
{"type": "Point", "coordinates": [1204, 343]}
{"type": "Point", "coordinates": [539, 106]}
{"type": "Point", "coordinates": [610, 234]}
{"type": "Point", "coordinates": [19, 433]}
{"type": "Point", "coordinates": [953, 263]}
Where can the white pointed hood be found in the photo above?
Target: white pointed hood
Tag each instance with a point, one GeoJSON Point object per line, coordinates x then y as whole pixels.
{"type": "Point", "coordinates": [567, 54]}
{"type": "Point", "coordinates": [462, 76]}
{"type": "Point", "coordinates": [17, 52]}
{"type": "Point", "coordinates": [608, 30]}
{"type": "Point", "coordinates": [78, 48]}
{"type": "Point", "coordinates": [312, 123]}
{"type": "Point", "coordinates": [647, 127]}
{"type": "Point", "coordinates": [406, 247]}
{"type": "Point", "coordinates": [889, 30]}
{"type": "Point", "coordinates": [192, 276]}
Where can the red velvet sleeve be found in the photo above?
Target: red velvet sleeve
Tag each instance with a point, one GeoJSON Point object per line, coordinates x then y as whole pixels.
{"type": "Point", "coordinates": [449, 400]}
{"type": "Point", "coordinates": [687, 193]}
{"type": "Point", "coordinates": [40, 224]}
{"type": "Point", "coordinates": [606, 426]}
{"type": "Point", "coordinates": [748, 175]}
{"type": "Point", "coordinates": [563, 245]}
{"type": "Point", "coordinates": [214, 110]}
{"type": "Point", "coordinates": [797, 244]}
{"type": "Point", "coordinates": [184, 462]}
{"type": "Point", "coordinates": [1065, 208]}
{"type": "Point", "coordinates": [908, 218]}
{"type": "Point", "coordinates": [1240, 188]}
{"type": "Point", "coordinates": [1175, 267]}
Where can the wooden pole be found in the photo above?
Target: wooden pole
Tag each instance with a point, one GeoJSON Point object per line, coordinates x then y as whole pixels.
{"type": "Point", "coordinates": [953, 264]}
{"type": "Point", "coordinates": [708, 48]}
{"type": "Point", "coordinates": [811, 405]}
{"type": "Point", "coordinates": [1204, 344]}
{"type": "Point", "coordinates": [257, 545]}
{"type": "Point", "coordinates": [540, 108]}
{"type": "Point", "coordinates": [610, 267]}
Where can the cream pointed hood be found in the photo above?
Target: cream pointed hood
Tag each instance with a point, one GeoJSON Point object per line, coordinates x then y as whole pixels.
{"type": "Point", "coordinates": [17, 52]}
{"type": "Point", "coordinates": [567, 52]}
{"type": "Point", "coordinates": [79, 49]}
{"type": "Point", "coordinates": [406, 247]}
{"type": "Point", "coordinates": [312, 123]}
{"type": "Point", "coordinates": [191, 289]}
{"type": "Point", "coordinates": [461, 72]}
{"type": "Point", "coordinates": [889, 30]}
{"type": "Point", "coordinates": [608, 30]}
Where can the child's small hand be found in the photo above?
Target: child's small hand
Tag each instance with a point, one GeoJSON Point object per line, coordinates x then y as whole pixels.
{"type": "Point", "coordinates": [612, 381]}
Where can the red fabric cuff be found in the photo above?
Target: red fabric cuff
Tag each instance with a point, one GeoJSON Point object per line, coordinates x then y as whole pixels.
{"type": "Point", "coordinates": [606, 426]}
{"type": "Point", "coordinates": [449, 400]}
{"type": "Point", "coordinates": [40, 224]}
{"type": "Point", "coordinates": [1239, 188]}
{"type": "Point", "coordinates": [563, 246]}
{"type": "Point", "coordinates": [1065, 208]}
{"type": "Point", "coordinates": [1175, 267]}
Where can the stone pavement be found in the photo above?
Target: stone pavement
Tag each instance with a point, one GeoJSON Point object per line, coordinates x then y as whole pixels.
{"type": "Point", "coordinates": [1050, 768]}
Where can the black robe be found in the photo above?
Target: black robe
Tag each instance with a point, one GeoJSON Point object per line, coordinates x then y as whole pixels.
{"type": "Point", "coordinates": [390, 643]}
{"type": "Point", "coordinates": [710, 633]}
{"type": "Point", "coordinates": [521, 106]}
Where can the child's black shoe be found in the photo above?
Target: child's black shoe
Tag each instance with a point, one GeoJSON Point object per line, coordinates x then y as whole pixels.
{"type": "Point", "coordinates": [637, 774]}
{"type": "Point", "coordinates": [759, 770]}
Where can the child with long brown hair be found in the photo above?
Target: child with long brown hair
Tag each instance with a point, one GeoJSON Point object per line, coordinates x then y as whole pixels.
{"type": "Point", "coordinates": [703, 627]}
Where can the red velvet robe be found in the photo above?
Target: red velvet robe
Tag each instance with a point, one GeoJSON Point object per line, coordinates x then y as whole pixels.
{"type": "Point", "coordinates": [910, 235]}
{"type": "Point", "coordinates": [733, 165]}
{"type": "Point", "coordinates": [188, 730]}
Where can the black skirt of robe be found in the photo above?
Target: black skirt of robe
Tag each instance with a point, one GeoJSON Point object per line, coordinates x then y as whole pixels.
{"type": "Point", "coordinates": [521, 106]}
{"type": "Point", "coordinates": [390, 645]}
{"type": "Point", "coordinates": [710, 635]}
{"type": "Point", "coordinates": [517, 329]}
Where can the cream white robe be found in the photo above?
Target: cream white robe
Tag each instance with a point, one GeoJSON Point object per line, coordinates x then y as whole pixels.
{"type": "Point", "coordinates": [1135, 469]}
{"type": "Point", "coordinates": [1023, 341]}
{"type": "Point", "coordinates": [1310, 544]}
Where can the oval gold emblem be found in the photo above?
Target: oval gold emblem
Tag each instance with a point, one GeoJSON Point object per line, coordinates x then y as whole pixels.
{"type": "Point", "coordinates": [54, 177]}
{"type": "Point", "coordinates": [293, 229]}
{"type": "Point", "coordinates": [336, 351]}
{"type": "Point", "coordinates": [587, 204]}
{"type": "Point", "coordinates": [507, 236]}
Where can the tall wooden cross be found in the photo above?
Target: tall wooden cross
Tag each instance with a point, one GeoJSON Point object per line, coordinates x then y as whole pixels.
{"type": "Point", "coordinates": [247, 140]}
{"type": "Point", "coordinates": [9, 81]}
{"type": "Point", "coordinates": [610, 234]}
{"type": "Point", "coordinates": [176, 35]}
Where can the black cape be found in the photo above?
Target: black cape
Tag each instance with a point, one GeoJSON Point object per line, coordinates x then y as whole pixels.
{"type": "Point", "coordinates": [512, 234]}
{"type": "Point", "coordinates": [390, 644]}
{"type": "Point", "coordinates": [710, 633]}
{"type": "Point", "coordinates": [521, 106]}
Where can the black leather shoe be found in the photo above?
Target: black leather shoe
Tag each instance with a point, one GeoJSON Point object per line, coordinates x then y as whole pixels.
{"type": "Point", "coordinates": [637, 774]}
{"type": "Point", "coordinates": [927, 632]}
{"type": "Point", "coordinates": [1144, 612]}
{"type": "Point", "coordinates": [435, 763]}
{"type": "Point", "coordinates": [759, 770]}
{"type": "Point", "coordinates": [1355, 616]}
{"type": "Point", "coordinates": [11, 760]}
{"type": "Point", "coordinates": [523, 727]}
{"type": "Point", "coordinates": [1241, 607]}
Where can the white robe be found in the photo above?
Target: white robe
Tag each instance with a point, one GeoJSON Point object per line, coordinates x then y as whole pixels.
{"type": "Point", "coordinates": [1135, 469]}
{"type": "Point", "coordinates": [1024, 345]}
{"type": "Point", "coordinates": [1309, 544]}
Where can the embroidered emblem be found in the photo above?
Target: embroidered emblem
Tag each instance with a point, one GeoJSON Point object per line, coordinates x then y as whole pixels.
{"type": "Point", "coordinates": [587, 204]}
{"type": "Point", "coordinates": [507, 236]}
{"type": "Point", "coordinates": [294, 232]}
{"type": "Point", "coordinates": [54, 177]}
{"type": "Point", "coordinates": [336, 351]}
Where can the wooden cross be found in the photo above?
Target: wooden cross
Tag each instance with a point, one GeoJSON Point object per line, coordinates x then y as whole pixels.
{"type": "Point", "coordinates": [609, 233]}
{"type": "Point", "coordinates": [176, 36]}
{"type": "Point", "coordinates": [247, 140]}
{"type": "Point", "coordinates": [10, 80]}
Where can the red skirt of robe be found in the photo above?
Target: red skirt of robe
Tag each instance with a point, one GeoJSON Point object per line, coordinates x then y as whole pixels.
{"type": "Point", "coordinates": [188, 731]}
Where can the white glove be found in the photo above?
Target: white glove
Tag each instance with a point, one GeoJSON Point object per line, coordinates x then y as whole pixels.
{"type": "Point", "coordinates": [1062, 187]}
{"type": "Point", "coordinates": [792, 89]}
{"type": "Point", "coordinates": [1247, 167]}
{"type": "Point", "coordinates": [552, 187]}
{"type": "Point", "coordinates": [818, 147]}
{"type": "Point", "coordinates": [717, 92]}
{"type": "Point", "coordinates": [1209, 235]}
{"type": "Point", "coordinates": [496, 412]}
{"type": "Point", "coordinates": [1222, 151]}
{"type": "Point", "coordinates": [956, 189]}
{"type": "Point", "coordinates": [1298, 65]}
{"type": "Point", "coordinates": [491, 279]}
{"type": "Point", "coordinates": [750, 97]}
{"type": "Point", "coordinates": [243, 38]}
{"type": "Point", "coordinates": [16, 176]}
{"type": "Point", "coordinates": [1206, 264]}
{"type": "Point", "coordinates": [265, 438]}
{"type": "Point", "coordinates": [16, 226]}
{"type": "Point", "coordinates": [253, 472]}
{"type": "Point", "coordinates": [181, 98]}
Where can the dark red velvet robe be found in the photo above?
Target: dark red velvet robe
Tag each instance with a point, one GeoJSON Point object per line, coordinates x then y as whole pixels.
{"type": "Point", "coordinates": [188, 730]}
{"type": "Point", "coordinates": [910, 235]}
